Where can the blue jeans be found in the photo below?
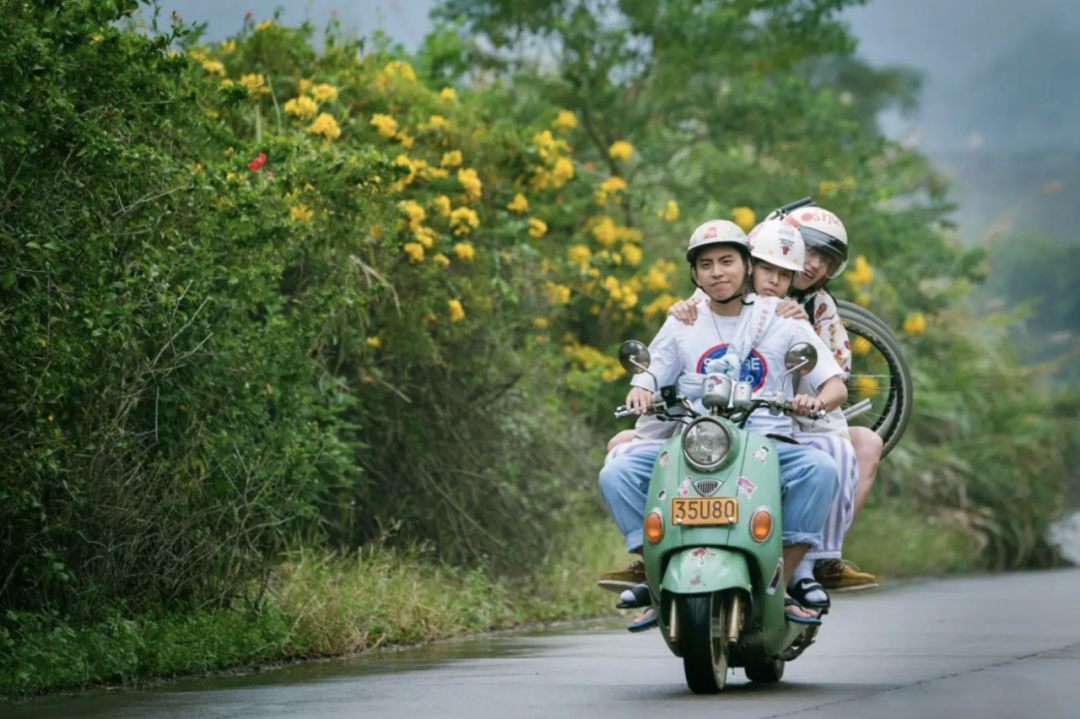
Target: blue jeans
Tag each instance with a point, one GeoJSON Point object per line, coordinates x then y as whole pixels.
{"type": "Point", "coordinates": [808, 480]}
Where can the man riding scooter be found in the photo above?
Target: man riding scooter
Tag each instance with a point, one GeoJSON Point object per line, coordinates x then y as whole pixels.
{"type": "Point", "coordinates": [719, 258]}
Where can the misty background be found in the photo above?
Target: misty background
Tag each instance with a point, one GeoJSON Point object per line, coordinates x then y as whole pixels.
{"type": "Point", "coordinates": [998, 113]}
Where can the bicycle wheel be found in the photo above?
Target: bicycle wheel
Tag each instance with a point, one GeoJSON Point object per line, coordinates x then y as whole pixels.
{"type": "Point", "coordinates": [879, 373]}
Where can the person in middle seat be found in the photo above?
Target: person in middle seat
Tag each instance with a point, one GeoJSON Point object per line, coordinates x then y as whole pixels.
{"type": "Point", "coordinates": [719, 257]}
{"type": "Point", "coordinates": [826, 245]}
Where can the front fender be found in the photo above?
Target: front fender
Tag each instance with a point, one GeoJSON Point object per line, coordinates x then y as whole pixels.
{"type": "Point", "coordinates": [706, 569]}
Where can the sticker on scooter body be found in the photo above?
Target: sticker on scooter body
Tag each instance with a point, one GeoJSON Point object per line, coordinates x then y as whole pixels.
{"type": "Point", "coordinates": [762, 454]}
{"type": "Point", "coordinates": [746, 486]}
{"type": "Point", "coordinates": [664, 459]}
{"type": "Point", "coordinates": [684, 488]}
{"type": "Point", "coordinates": [701, 554]}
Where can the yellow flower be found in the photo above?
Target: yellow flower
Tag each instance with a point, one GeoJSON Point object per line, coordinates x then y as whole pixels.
{"type": "Point", "coordinates": [632, 255]}
{"type": "Point", "coordinates": [303, 85]}
{"type": "Point", "coordinates": [425, 236]}
{"type": "Point", "coordinates": [562, 172]}
{"type": "Point", "coordinates": [671, 211]}
{"type": "Point", "coordinates": [412, 167]}
{"type": "Point", "coordinates": [415, 251]}
{"type": "Point", "coordinates": [861, 346]}
{"type": "Point", "coordinates": [255, 84]}
{"type": "Point", "coordinates": [862, 274]}
{"type": "Point", "coordinates": [324, 92]}
{"type": "Point", "coordinates": [540, 323]}
{"type": "Point", "coordinates": [457, 312]}
{"type": "Point", "coordinates": [744, 217]}
{"type": "Point", "coordinates": [414, 212]}
{"type": "Point", "coordinates": [557, 294]}
{"type": "Point", "coordinates": [613, 184]}
{"type": "Point", "coordinates": [441, 260]}
{"type": "Point", "coordinates": [565, 120]}
{"type": "Point", "coordinates": [302, 106]}
{"type": "Point", "coordinates": [465, 251]}
{"type": "Point", "coordinates": [463, 220]}
{"type": "Point", "coordinates": [96, 38]}
{"type": "Point", "coordinates": [537, 227]}
{"type": "Point", "coordinates": [301, 213]}
{"type": "Point", "coordinates": [228, 46]}
{"type": "Point", "coordinates": [866, 385]}
{"type": "Point", "coordinates": [374, 341]}
{"type": "Point", "coordinates": [451, 159]}
{"type": "Point", "coordinates": [447, 93]}
{"type": "Point", "coordinates": [471, 182]}
{"type": "Point", "coordinates": [327, 126]}
{"type": "Point", "coordinates": [385, 124]}
{"type": "Point", "coordinates": [659, 306]}
{"type": "Point", "coordinates": [213, 67]}
{"type": "Point", "coordinates": [519, 204]}
{"type": "Point", "coordinates": [827, 187]}
{"type": "Point", "coordinates": [863, 299]}
{"type": "Point", "coordinates": [659, 276]}
{"type": "Point", "coordinates": [437, 122]}
{"type": "Point", "coordinates": [397, 68]}
{"type": "Point", "coordinates": [621, 150]}
{"type": "Point", "coordinates": [915, 324]}
{"type": "Point", "coordinates": [442, 205]}
{"type": "Point", "coordinates": [579, 255]}
{"type": "Point", "coordinates": [264, 25]}
{"type": "Point", "coordinates": [405, 139]}
{"type": "Point", "coordinates": [545, 143]}
{"type": "Point", "coordinates": [605, 231]}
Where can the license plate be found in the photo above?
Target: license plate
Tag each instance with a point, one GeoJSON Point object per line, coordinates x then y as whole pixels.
{"type": "Point", "coordinates": [704, 510]}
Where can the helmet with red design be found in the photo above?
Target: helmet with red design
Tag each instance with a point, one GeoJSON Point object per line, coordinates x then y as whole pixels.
{"type": "Point", "coordinates": [717, 232]}
{"type": "Point", "coordinates": [778, 243]}
{"type": "Point", "coordinates": [821, 230]}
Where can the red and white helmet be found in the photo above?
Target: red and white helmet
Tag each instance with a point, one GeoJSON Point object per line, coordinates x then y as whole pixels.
{"type": "Point", "coordinates": [716, 232]}
{"type": "Point", "coordinates": [823, 231]}
{"type": "Point", "coordinates": [778, 243]}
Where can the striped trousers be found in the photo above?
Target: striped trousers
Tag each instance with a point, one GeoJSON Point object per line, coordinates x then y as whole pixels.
{"type": "Point", "coordinates": [842, 510]}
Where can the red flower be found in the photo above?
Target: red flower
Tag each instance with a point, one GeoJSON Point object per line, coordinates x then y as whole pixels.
{"type": "Point", "coordinates": [247, 15]}
{"type": "Point", "coordinates": [258, 162]}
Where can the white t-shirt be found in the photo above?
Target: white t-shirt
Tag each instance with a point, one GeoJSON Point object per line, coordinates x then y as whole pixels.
{"type": "Point", "coordinates": [680, 348]}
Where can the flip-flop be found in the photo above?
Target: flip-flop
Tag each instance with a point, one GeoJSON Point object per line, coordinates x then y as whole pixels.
{"type": "Point", "coordinates": [804, 586]}
{"type": "Point", "coordinates": [646, 620]}
{"type": "Point", "coordinates": [789, 602]}
{"type": "Point", "coordinates": [635, 597]}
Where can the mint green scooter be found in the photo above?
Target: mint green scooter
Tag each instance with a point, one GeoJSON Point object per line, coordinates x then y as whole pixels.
{"type": "Point", "coordinates": [712, 550]}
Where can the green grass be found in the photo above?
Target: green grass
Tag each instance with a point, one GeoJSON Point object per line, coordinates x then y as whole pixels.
{"type": "Point", "coordinates": [320, 604]}
{"type": "Point", "coordinates": [890, 538]}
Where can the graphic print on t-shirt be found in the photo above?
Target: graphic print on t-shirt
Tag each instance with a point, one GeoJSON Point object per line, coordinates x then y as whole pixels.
{"type": "Point", "coordinates": [754, 368]}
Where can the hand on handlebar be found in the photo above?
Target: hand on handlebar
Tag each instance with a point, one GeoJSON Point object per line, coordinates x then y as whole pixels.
{"type": "Point", "coordinates": [808, 406]}
{"type": "Point", "coordinates": [639, 400]}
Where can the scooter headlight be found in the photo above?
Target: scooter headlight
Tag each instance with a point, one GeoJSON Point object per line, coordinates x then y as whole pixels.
{"type": "Point", "coordinates": [706, 443]}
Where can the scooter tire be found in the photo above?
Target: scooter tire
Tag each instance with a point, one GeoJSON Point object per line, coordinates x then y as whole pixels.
{"type": "Point", "coordinates": [703, 641]}
{"type": "Point", "coordinates": [766, 672]}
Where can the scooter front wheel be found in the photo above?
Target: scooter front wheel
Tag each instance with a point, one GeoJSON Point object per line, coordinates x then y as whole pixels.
{"type": "Point", "coordinates": [703, 641]}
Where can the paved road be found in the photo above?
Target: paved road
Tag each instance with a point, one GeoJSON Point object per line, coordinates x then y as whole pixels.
{"type": "Point", "coordinates": [985, 647]}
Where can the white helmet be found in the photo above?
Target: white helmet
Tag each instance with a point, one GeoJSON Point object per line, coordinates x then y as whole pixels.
{"type": "Point", "coordinates": [823, 231]}
{"type": "Point", "coordinates": [778, 243]}
{"type": "Point", "coordinates": [716, 232]}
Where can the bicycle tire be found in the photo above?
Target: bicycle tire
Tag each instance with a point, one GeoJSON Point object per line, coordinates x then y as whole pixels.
{"type": "Point", "coordinates": [881, 361]}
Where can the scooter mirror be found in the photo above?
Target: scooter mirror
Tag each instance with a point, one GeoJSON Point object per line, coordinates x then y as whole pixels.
{"type": "Point", "coordinates": [800, 359]}
{"type": "Point", "coordinates": [634, 357]}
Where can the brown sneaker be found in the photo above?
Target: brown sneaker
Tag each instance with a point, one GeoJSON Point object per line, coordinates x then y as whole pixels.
{"type": "Point", "coordinates": [840, 575]}
{"type": "Point", "coordinates": [621, 579]}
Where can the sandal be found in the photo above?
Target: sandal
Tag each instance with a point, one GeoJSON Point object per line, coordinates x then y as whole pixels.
{"type": "Point", "coordinates": [646, 620]}
{"type": "Point", "coordinates": [804, 586]}
{"type": "Point", "coordinates": [795, 618]}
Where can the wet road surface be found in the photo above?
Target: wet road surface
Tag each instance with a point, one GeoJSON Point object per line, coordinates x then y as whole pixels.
{"type": "Point", "coordinates": [990, 646]}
